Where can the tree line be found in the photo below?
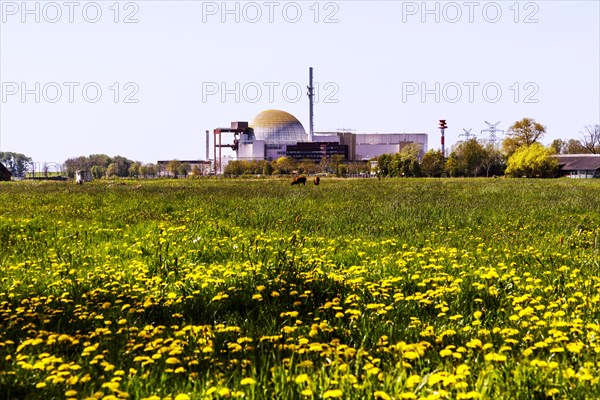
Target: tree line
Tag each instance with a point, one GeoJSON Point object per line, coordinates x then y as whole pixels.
{"type": "Point", "coordinates": [520, 154]}
{"type": "Point", "coordinates": [103, 166]}
{"type": "Point", "coordinates": [16, 163]}
{"type": "Point", "coordinates": [335, 165]}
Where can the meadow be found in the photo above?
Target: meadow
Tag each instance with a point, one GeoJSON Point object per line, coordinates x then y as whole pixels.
{"type": "Point", "coordinates": [254, 289]}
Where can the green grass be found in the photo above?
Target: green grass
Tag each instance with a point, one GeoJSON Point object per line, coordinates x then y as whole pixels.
{"type": "Point", "coordinates": [215, 288]}
{"type": "Point", "coordinates": [40, 174]}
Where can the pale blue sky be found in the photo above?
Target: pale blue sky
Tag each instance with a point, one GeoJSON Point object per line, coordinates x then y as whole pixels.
{"type": "Point", "coordinates": [375, 57]}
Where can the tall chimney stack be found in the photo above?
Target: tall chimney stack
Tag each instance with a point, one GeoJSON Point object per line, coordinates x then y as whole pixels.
{"type": "Point", "coordinates": [311, 95]}
{"type": "Point", "coordinates": [207, 145]}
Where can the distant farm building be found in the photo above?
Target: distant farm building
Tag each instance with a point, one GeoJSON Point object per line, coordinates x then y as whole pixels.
{"type": "Point", "coordinates": [83, 176]}
{"type": "Point", "coordinates": [5, 174]}
{"type": "Point", "coordinates": [580, 165]}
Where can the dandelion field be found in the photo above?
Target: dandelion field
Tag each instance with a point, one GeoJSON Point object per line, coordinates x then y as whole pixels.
{"type": "Point", "coordinates": [356, 289]}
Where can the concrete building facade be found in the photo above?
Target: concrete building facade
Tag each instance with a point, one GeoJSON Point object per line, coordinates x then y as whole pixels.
{"type": "Point", "coordinates": [275, 133]}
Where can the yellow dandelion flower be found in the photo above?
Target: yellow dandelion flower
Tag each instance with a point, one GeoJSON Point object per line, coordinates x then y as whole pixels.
{"type": "Point", "coordinates": [495, 357]}
{"type": "Point", "coordinates": [413, 381]}
{"type": "Point", "coordinates": [332, 394]}
{"type": "Point", "coordinates": [381, 395]}
{"type": "Point", "coordinates": [247, 381]}
{"type": "Point", "coordinates": [445, 353]}
{"type": "Point", "coordinates": [111, 385]}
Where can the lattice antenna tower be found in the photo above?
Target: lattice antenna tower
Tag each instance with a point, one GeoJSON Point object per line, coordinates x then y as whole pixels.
{"type": "Point", "coordinates": [492, 131]}
{"type": "Point", "coordinates": [468, 135]}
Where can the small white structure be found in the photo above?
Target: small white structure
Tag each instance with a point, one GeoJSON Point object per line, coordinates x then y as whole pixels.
{"type": "Point", "coordinates": [82, 176]}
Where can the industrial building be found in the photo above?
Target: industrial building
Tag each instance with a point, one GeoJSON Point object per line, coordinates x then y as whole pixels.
{"type": "Point", "coordinates": [274, 133]}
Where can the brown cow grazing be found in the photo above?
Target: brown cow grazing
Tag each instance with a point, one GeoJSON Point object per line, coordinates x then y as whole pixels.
{"type": "Point", "coordinates": [317, 180]}
{"type": "Point", "coordinates": [299, 180]}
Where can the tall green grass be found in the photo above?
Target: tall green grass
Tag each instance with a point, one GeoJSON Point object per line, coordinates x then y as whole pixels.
{"type": "Point", "coordinates": [216, 288]}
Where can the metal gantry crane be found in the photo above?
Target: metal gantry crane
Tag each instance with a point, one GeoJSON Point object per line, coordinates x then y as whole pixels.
{"type": "Point", "coordinates": [237, 128]}
{"type": "Point", "coordinates": [492, 130]}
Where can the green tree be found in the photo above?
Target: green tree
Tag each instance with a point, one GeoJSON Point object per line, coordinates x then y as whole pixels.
{"type": "Point", "coordinates": [285, 165]}
{"type": "Point", "coordinates": [76, 164]}
{"type": "Point", "coordinates": [357, 168]}
{"type": "Point", "coordinates": [406, 162]}
{"type": "Point", "coordinates": [45, 169]}
{"type": "Point", "coordinates": [572, 146]}
{"type": "Point", "coordinates": [575, 146]}
{"type": "Point", "coordinates": [308, 166]}
{"type": "Point", "coordinates": [558, 146]}
{"type": "Point", "coordinates": [493, 161]}
{"type": "Point", "coordinates": [337, 163]}
{"type": "Point", "coordinates": [112, 170]}
{"type": "Point", "coordinates": [433, 163]}
{"type": "Point", "coordinates": [173, 167]}
{"type": "Point", "coordinates": [267, 169]}
{"type": "Point", "coordinates": [233, 168]}
{"type": "Point", "coordinates": [122, 165]}
{"type": "Point", "coordinates": [184, 169]}
{"type": "Point", "coordinates": [591, 138]}
{"type": "Point", "coordinates": [98, 171]}
{"type": "Point", "coordinates": [99, 159]}
{"type": "Point", "coordinates": [533, 161]}
{"type": "Point", "coordinates": [148, 170]}
{"type": "Point", "coordinates": [522, 133]}
{"type": "Point", "coordinates": [468, 158]}
{"type": "Point", "coordinates": [341, 170]}
{"type": "Point", "coordinates": [383, 165]}
{"type": "Point", "coordinates": [324, 165]}
{"type": "Point", "coordinates": [135, 169]}
{"type": "Point", "coordinates": [196, 170]}
{"type": "Point", "coordinates": [452, 167]}
{"type": "Point", "coordinates": [102, 161]}
{"type": "Point", "coordinates": [16, 163]}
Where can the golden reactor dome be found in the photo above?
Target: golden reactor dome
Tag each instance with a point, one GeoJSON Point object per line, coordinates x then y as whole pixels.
{"type": "Point", "coordinates": [278, 127]}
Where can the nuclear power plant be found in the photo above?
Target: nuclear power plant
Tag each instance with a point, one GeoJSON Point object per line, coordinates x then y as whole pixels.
{"type": "Point", "coordinates": [273, 134]}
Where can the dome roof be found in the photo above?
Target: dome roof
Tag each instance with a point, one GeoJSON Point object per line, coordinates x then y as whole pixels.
{"type": "Point", "coordinates": [278, 127]}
